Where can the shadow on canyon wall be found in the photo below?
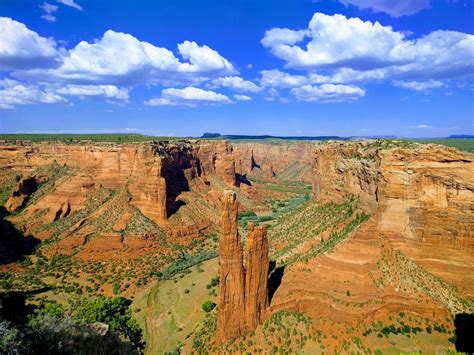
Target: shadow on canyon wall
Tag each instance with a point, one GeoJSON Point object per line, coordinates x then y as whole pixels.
{"type": "Point", "coordinates": [274, 279]}
{"type": "Point", "coordinates": [14, 245]}
{"type": "Point", "coordinates": [464, 330]}
{"type": "Point", "coordinates": [242, 179]}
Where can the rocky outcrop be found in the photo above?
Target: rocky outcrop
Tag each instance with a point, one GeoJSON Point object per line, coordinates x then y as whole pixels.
{"type": "Point", "coordinates": [230, 320]}
{"type": "Point", "coordinates": [256, 275]}
{"type": "Point", "coordinates": [20, 196]}
{"type": "Point", "coordinates": [243, 296]}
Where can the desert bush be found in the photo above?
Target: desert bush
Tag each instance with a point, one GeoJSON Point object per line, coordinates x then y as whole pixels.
{"type": "Point", "coordinates": [208, 306]}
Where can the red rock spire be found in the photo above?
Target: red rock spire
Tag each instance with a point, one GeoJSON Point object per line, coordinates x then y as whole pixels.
{"type": "Point", "coordinates": [230, 317]}
{"type": "Point", "coordinates": [243, 296]}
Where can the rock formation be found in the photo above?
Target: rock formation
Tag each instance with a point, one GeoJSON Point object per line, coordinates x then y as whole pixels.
{"type": "Point", "coordinates": [230, 319]}
{"type": "Point", "coordinates": [20, 196]}
{"type": "Point", "coordinates": [154, 173]}
{"type": "Point", "coordinates": [256, 275]}
{"type": "Point", "coordinates": [243, 296]}
{"type": "Point", "coordinates": [295, 157]}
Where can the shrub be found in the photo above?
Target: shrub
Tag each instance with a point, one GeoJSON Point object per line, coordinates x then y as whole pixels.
{"type": "Point", "coordinates": [112, 311]}
{"type": "Point", "coordinates": [215, 281]}
{"type": "Point", "coordinates": [248, 213]}
{"type": "Point", "coordinates": [208, 306]}
{"type": "Point", "coordinates": [116, 289]}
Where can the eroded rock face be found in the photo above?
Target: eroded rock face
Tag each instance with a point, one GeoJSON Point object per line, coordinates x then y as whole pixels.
{"type": "Point", "coordinates": [346, 168]}
{"type": "Point", "coordinates": [421, 198]}
{"type": "Point", "coordinates": [154, 173]}
{"type": "Point", "coordinates": [256, 275]}
{"type": "Point", "coordinates": [19, 197]}
{"type": "Point", "coordinates": [230, 319]}
{"type": "Point", "coordinates": [275, 159]}
{"type": "Point", "coordinates": [243, 297]}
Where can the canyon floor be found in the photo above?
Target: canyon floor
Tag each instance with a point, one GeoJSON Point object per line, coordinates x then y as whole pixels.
{"type": "Point", "coordinates": [371, 243]}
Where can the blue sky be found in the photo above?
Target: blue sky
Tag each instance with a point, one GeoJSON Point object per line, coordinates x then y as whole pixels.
{"type": "Point", "coordinates": [185, 67]}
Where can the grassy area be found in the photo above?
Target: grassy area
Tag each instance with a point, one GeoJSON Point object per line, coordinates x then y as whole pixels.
{"type": "Point", "coordinates": [466, 144]}
{"type": "Point", "coordinates": [174, 308]}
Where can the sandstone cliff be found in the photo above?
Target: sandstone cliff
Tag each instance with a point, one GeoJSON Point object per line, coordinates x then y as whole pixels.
{"type": "Point", "coordinates": [155, 173]}
{"type": "Point", "coordinates": [288, 161]}
{"type": "Point", "coordinates": [414, 253]}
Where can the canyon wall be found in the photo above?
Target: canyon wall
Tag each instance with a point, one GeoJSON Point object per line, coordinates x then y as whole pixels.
{"type": "Point", "coordinates": [275, 160]}
{"type": "Point", "coordinates": [243, 294]}
{"type": "Point", "coordinates": [414, 253]}
{"type": "Point", "coordinates": [154, 173]}
{"type": "Point", "coordinates": [420, 196]}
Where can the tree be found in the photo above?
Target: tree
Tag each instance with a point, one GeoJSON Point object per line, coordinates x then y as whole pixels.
{"type": "Point", "coordinates": [112, 311]}
{"type": "Point", "coordinates": [208, 306]}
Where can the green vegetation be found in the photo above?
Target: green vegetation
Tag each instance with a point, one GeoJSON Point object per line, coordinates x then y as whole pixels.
{"type": "Point", "coordinates": [466, 144]}
{"type": "Point", "coordinates": [112, 311]}
{"type": "Point", "coordinates": [8, 184]}
{"type": "Point", "coordinates": [307, 223]}
{"type": "Point", "coordinates": [203, 335]}
{"type": "Point", "coordinates": [74, 138]}
{"type": "Point", "coordinates": [185, 262]}
{"type": "Point", "coordinates": [287, 331]}
{"type": "Point", "coordinates": [80, 328]}
{"type": "Point", "coordinates": [172, 317]}
{"type": "Point", "coordinates": [208, 306]}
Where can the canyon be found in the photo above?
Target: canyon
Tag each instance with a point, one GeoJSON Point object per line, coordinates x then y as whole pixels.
{"type": "Point", "coordinates": [337, 235]}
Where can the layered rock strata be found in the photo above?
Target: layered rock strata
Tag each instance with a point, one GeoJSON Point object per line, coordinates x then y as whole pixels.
{"type": "Point", "coordinates": [243, 296]}
{"type": "Point", "coordinates": [421, 198]}
{"type": "Point", "coordinates": [154, 173]}
{"type": "Point", "coordinates": [275, 159]}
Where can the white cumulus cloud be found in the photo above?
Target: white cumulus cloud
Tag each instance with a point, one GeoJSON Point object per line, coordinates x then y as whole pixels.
{"type": "Point", "coordinates": [21, 48]}
{"type": "Point", "coordinates": [339, 43]}
{"type": "Point", "coordinates": [120, 58]}
{"type": "Point", "coordinates": [328, 93]}
{"type": "Point", "coordinates": [13, 93]}
{"type": "Point", "coordinates": [279, 79]}
{"type": "Point", "coordinates": [236, 83]}
{"type": "Point", "coordinates": [188, 96]}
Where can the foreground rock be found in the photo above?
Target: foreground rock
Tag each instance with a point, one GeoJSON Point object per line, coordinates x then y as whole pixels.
{"type": "Point", "coordinates": [243, 296]}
